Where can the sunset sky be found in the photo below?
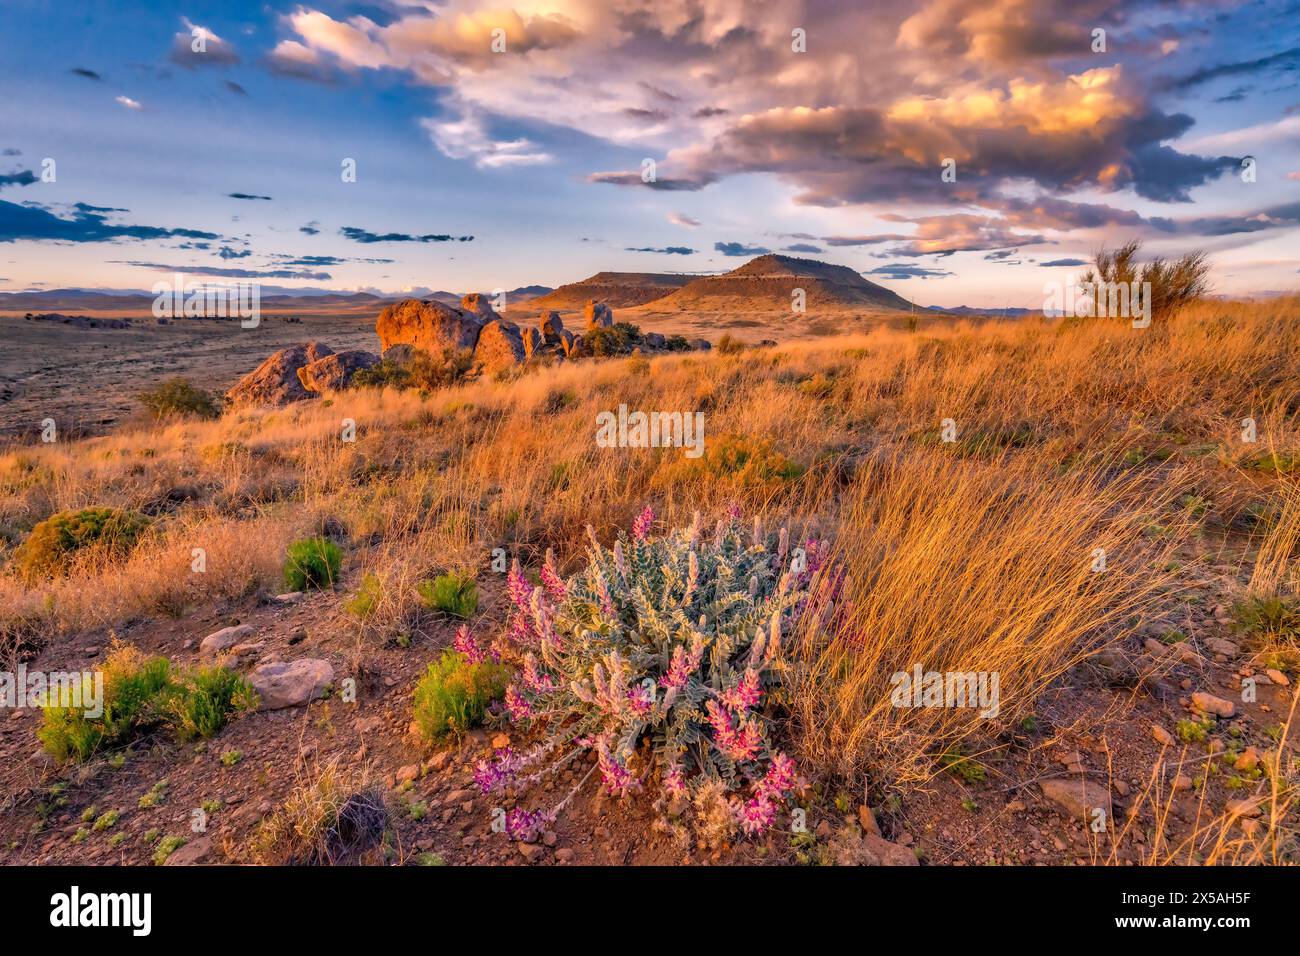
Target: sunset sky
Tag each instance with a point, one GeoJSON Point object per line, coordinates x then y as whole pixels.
{"type": "Point", "coordinates": [228, 162]}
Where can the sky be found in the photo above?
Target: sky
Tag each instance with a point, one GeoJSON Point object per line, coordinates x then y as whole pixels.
{"type": "Point", "coordinates": [956, 151]}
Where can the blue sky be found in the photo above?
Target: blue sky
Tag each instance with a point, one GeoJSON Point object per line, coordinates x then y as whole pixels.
{"type": "Point", "coordinates": [536, 150]}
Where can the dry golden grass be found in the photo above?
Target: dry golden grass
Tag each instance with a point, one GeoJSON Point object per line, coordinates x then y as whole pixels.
{"type": "Point", "coordinates": [972, 556]}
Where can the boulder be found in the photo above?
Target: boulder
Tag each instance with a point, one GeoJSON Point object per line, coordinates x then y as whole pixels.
{"type": "Point", "coordinates": [427, 325]}
{"type": "Point", "coordinates": [224, 639]}
{"type": "Point", "coordinates": [868, 849]}
{"type": "Point", "coordinates": [333, 373]}
{"type": "Point", "coordinates": [654, 340]}
{"type": "Point", "coordinates": [279, 684]}
{"type": "Point", "coordinates": [701, 345]}
{"type": "Point", "coordinates": [533, 341]}
{"type": "Point", "coordinates": [500, 345]}
{"type": "Point", "coordinates": [1207, 703]}
{"type": "Point", "coordinates": [552, 327]}
{"type": "Point", "coordinates": [399, 354]}
{"type": "Point", "coordinates": [481, 306]}
{"type": "Point", "coordinates": [598, 315]}
{"type": "Point", "coordinates": [192, 853]}
{"type": "Point", "coordinates": [275, 381]}
{"type": "Point", "coordinates": [1079, 798]}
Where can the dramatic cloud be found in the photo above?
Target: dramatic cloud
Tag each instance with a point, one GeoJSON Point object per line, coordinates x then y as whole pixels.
{"type": "Point", "coordinates": [86, 224]}
{"type": "Point", "coordinates": [199, 46]}
{"type": "Point", "coordinates": [466, 137]}
{"type": "Point", "coordinates": [24, 177]}
{"type": "Point", "coordinates": [739, 249]}
{"type": "Point", "coordinates": [899, 270]}
{"type": "Point", "coordinates": [802, 247]}
{"type": "Point", "coordinates": [223, 273]}
{"type": "Point", "coordinates": [362, 235]}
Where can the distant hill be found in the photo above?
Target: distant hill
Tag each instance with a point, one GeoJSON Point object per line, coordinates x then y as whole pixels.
{"type": "Point", "coordinates": [1007, 312]}
{"type": "Point", "coordinates": [619, 290]}
{"type": "Point", "coordinates": [766, 284]}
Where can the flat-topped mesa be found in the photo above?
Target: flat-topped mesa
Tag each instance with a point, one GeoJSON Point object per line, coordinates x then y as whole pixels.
{"type": "Point", "coordinates": [427, 325]}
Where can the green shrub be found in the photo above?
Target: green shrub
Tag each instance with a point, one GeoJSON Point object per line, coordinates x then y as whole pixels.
{"type": "Point", "coordinates": [54, 542]}
{"type": "Point", "coordinates": [453, 695]}
{"type": "Point", "coordinates": [134, 690]}
{"type": "Point", "coordinates": [177, 396]}
{"type": "Point", "coordinates": [421, 370]}
{"type": "Point", "coordinates": [312, 562]}
{"type": "Point", "coordinates": [142, 693]}
{"type": "Point", "coordinates": [1274, 621]}
{"type": "Point", "coordinates": [205, 698]}
{"type": "Point", "coordinates": [453, 594]}
{"type": "Point", "coordinates": [363, 603]}
{"type": "Point", "coordinates": [735, 460]}
{"type": "Point", "coordinates": [619, 339]}
{"type": "Point", "coordinates": [166, 847]}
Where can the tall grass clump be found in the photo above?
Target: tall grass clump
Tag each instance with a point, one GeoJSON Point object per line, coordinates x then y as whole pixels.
{"type": "Point", "coordinates": [453, 594]}
{"type": "Point", "coordinates": [331, 818]}
{"type": "Point", "coordinates": [177, 397]}
{"type": "Point", "coordinates": [960, 566]}
{"type": "Point", "coordinates": [312, 563]}
{"type": "Point", "coordinates": [1173, 282]}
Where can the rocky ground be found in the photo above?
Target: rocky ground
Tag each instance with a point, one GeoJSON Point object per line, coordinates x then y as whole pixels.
{"type": "Point", "coordinates": [1103, 737]}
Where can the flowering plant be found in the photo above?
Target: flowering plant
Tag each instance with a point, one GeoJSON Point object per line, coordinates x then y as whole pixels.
{"type": "Point", "coordinates": [660, 656]}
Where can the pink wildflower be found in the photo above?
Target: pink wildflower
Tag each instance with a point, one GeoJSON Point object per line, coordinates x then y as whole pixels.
{"type": "Point", "coordinates": [681, 667]}
{"type": "Point", "coordinates": [757, 815]}
{"type": "Point", "coordinates": [641, 526]}
{"type": "Point", "coordinates": [617, 778]}
{"type": "Point", "coordinates": [519, 588]}
{"type": "Point", "coordinates": [517, 705]}
{"type": "Point", "coordinates": [740, 742]}
{"type": "Point", "coordinates": [526, 825]}
{"type": "Point", "coordinates": [465, 643]}
{"type": "Point", "coordinates": [745, 694]}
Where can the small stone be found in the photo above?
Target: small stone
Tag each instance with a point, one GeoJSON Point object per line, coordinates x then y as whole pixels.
{"type": "Point", "coordinates": [224, 639]}
{"type": "Point", "coordinates": [1220, 646]}
{"type": "Point", "coordinates": [1248, 760]}
{"type": "Point", "coordinates": [1077, 797]}
{"type": "Point", "coordinates": [530, 851]}
{"type": "Point", "coordinates": [1277, 677]}
{"type": "Point", "coordinates": [564, 854]}
{"type": "Point", "coordinates": [1121, 787]}
{"type": "Point", "coordinates": [289, 597]}
{"type": "Point", "coordinates": [1182, 782]}
{"type": "Point", "coordinates": [1162, 736]}
{"type": "Point", "coordinates": [548, 838]}
{"type": "Point", "coordinates": [1243, 808]}
{"type": "Point", "coordinates": [1016, 806]}
{"type": "Point", "coordinates": [407, 773]}
{"type": "Point", "coordinates": [823, 830]}
{"type": "Point", "coordinates": [500, 741]}
{"type": "Point", "coordinates": [1208, 703]}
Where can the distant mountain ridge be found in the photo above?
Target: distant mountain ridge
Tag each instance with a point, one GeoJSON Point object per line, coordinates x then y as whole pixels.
{"type": "Point", "coordinates": [618, 290]}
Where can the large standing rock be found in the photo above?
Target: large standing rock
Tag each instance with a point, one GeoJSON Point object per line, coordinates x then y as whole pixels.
{"type": "Point", "coordinates": [334, 372]}
{"type": "Point", "coordinates": [481, 306]}
{"type": "Point", "coordinates": [655, 340]}
{"type": "Point", "coordinates": [275, 381]}
{"type": "Point", "coordinates": [552, 327]}
{"type": "Point", "coordinates": [500, 346]}
{"type": "Point", "coordinates": [598, 315]}
{"type": "Point", "coordinates": [427, 325]}
{"type": "Point", "coordinates": [281, 685]}
{"type": "Point", "coordinates": [572, 344]}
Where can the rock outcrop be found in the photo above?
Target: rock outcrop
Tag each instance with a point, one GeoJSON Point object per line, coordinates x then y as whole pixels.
{"type": "Point", "coordinates": [552, 327]}
{"type": "Point", "coordinates": [275, 381]}
{"type": "Point", "coordinates": [333, 373]}
{"type": "Point", "coordinates": [428, 325]}
{"type": "Point", "coordinates": [598, 315]}
{"type": "Point", "coordinates": [500, 345]}
{"type": "Point", "coordinates": [480, 305]}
